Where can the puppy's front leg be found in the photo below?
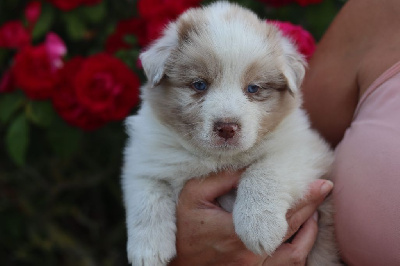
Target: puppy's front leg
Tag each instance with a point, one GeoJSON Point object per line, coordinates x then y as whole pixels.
{"type": "Point", "coordinates": [260, 210]}
{"type": "Point", "coordinates": [150, 216]}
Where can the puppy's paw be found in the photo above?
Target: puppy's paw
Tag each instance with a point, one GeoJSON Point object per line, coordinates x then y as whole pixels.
{"type": "Point", "coordinates": [261, 232]}
{"type": "Point", "coordinates": [158, 253]}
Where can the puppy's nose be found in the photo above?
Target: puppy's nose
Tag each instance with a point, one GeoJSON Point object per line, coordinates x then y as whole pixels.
{"type": "Point", "coordinates": [226, 130]}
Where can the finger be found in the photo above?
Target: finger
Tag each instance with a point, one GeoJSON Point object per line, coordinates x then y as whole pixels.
{"type": "Point", "coordinates": [212, 187]}
{"type": "Point", "coordinates": [306, 236]}
{"type": "Point", "coordinates": [296, 253]}
{"type": "Point", "coordinates": [308, 205]}
{"type": "Point", "coordinates": [317, 191]}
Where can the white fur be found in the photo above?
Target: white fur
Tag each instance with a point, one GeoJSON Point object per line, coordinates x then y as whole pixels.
{"type": "Point", "coordinates": [159, 160]}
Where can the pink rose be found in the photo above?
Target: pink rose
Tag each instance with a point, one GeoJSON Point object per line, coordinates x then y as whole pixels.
{"type": "Point", "coordinates": [55, 49]}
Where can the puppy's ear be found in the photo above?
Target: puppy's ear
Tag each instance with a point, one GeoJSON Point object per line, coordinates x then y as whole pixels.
{"type": "Point", "coordinates": [155, 57]}
{"type": "Point", "coordinates": [294, 67]}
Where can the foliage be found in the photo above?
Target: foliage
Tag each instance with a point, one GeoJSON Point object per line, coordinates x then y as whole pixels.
{"type": "Point", "coordinates": [60, 198]}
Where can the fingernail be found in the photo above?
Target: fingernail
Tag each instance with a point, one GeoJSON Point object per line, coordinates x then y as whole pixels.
{"type": "Point", "coordinates": [315, 216]}
{"type": "Point", "coordinates": [326, 187]}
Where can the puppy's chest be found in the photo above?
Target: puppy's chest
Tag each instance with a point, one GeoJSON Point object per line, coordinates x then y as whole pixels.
{"type": "Point", "coordinates": [190, 166]}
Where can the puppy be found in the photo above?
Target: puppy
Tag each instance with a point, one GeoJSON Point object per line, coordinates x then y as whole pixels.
{"type": "Point", "coordinates": [222, 93]}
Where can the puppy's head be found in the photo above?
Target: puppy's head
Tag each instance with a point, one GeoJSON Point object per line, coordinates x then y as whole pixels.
{"type": "Point", "coordinates": [222, 78]}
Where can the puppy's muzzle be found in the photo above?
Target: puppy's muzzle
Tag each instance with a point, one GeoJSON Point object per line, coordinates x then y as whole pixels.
{"type": "Point", "coordinates": [226, 130]}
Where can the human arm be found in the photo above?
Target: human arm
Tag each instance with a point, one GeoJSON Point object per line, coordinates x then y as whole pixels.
{"type": "Point", "coordinates": [358, 47]}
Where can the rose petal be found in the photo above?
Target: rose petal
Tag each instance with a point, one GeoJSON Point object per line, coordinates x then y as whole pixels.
{"type": "Point", "coordinates": [32, 12]}
{"type": "Point", "coordinates": [7, 82]}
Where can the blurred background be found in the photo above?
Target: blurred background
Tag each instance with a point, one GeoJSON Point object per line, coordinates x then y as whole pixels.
{"type": "Point", "coordinates": [69, 75]}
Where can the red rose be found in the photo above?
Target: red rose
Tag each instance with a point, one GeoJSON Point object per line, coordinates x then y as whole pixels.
{"type": "Point", "coordinates": [35, 68]}
{"type": "Point", "coordinates": [106, 86]}
{"type": "Point", "coordinates": [91, 92]}
{"type": "Point", "coordinates": [67, 5]}
{"type": "Point", "coordinates": [170, 8]}
{"type": "Point", "coordinates": [66, 103]}
{"type": "Point", "coordinates": [134, 27]}
{"type": "Point", "coordinates": [33, 72]}
{"type": "Point", "coordinates": [14, 35]}
{"type": "Point", "coordinates": [303, 39]}
{"type": "Point", "coordinates": [158, 13]}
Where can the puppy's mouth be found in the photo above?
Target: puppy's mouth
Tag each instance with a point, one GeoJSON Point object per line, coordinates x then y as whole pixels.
{"type": "Point", "coordinates": [226, 135]}
{"type": "Point", "coordinates": [221, 143]}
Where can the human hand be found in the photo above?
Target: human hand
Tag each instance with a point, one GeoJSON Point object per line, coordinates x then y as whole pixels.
{"type": "Point", "coordinates": [206, 235]}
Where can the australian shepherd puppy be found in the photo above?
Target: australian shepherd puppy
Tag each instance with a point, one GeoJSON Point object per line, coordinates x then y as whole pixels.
{"type": "Point", "coordinates": [222, 93]}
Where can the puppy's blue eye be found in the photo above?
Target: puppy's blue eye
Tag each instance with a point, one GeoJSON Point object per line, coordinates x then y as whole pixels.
{"type": "Point", "coordinates": [252, 88]}
{"type": "Point", "coordinates": [200, 85]}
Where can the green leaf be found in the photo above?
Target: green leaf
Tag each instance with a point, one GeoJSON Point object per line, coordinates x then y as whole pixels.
{"type": "Point", "coordinates": [64, 140]}
{"type": "Point", "coordinates": [130, 39]}
{"type": "Point", "coordinates": [129, 57]}
{"type": "Point", "coordinates": [45, 22]}
{"type": "Point", "coordinates": [40, 113]}
{"type": "Point", "coordinates": [75, 26]}
{"type": "Point", "coordinates": [121, 54]}
{"type": "Point", "coordinates": [320, 16]}
{"type": "Point", "coordinates": [94, 14]}
{"type": "Point", "coordinates": [17, 139]}
{"type": "Point", "coordinates": [9, 104]}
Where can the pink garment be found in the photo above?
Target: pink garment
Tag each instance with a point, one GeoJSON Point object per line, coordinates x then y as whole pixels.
{"type": "Point", "coordinates": [367, 177]}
